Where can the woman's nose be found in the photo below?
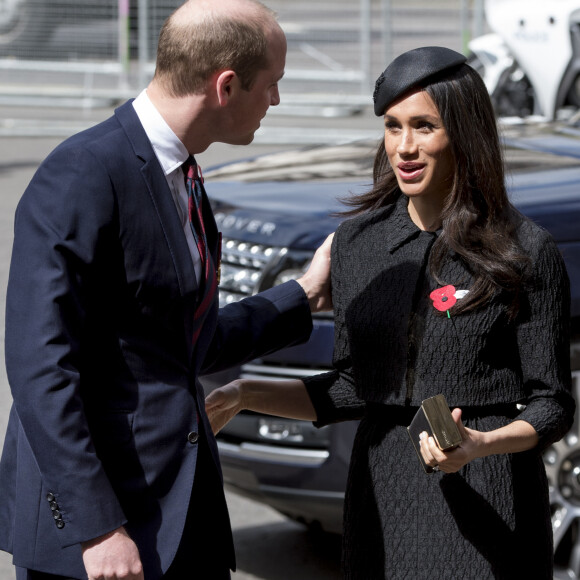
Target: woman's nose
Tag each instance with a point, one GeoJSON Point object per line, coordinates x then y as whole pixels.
{"type": "Point", "coordinates": [407, 142]}
{"type": "Point", "coordinates": [411, 140]}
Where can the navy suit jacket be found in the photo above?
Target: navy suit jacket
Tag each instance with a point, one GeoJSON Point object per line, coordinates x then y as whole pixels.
{"type": "Point", "coordinates": [99, 355]}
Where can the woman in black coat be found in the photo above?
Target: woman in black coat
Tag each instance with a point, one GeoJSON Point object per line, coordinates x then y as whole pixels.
{"type": "Point", "coordinates": [440, 287]}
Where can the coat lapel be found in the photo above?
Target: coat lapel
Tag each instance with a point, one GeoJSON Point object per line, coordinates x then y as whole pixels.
{"type": "Point", "coordinates": [158, 190]}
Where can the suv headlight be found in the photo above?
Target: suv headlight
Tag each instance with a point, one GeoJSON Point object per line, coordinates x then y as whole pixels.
{"type": "Point", "coordinates": [286, 275]}
{"type": "Point", "coordinates": [248, 268]}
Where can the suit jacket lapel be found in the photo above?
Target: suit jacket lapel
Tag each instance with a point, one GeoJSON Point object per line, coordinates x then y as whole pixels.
{"type": "Point", "coordinates": [157, 188]}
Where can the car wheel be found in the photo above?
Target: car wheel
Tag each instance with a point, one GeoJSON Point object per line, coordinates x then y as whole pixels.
{"type": "Point", "coordinates": [562, 462]}
{"type": "Point", "coordinates": [573, 96]}
{"type": "Point", "coordinates": [513, 94]}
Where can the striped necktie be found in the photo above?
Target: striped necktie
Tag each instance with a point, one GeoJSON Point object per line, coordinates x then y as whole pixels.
{"type": "Point", "coordinates": [197, 199]}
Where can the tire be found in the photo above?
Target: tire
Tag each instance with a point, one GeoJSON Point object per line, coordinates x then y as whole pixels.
{"type": "Point", "coordinates": [562, 462]}
{"type": "Point", "coordinates": [573, 96]}
{"type": "Point", "coordinates": [513, 96]}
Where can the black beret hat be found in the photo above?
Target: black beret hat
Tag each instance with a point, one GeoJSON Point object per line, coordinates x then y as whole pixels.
{"type": "Point", "coordinates": [409, 70]}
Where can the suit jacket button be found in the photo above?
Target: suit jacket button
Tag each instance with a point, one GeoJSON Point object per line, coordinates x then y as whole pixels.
{"type": "Point", "coordinates": [53, 505]}
{"type": "Point", "coordinates": [50, 497]}
{"type": "Point", "coordinates": [56, 515]}
{"type": "Point", "coordinates": [193, 437]}
{"type": "Point", "coordinates": [59, 524]}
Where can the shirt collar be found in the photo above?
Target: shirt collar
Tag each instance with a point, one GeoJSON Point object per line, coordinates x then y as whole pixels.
{"type": "Point", "coordinates": [170, 151]}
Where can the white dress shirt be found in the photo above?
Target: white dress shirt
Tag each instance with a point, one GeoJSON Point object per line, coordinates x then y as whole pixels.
{"type": "Point", "coordinates": [171, 154]}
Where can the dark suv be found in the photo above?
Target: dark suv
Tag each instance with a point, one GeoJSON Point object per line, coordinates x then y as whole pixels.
{"type": "Point", "coordinates": [274, 211]}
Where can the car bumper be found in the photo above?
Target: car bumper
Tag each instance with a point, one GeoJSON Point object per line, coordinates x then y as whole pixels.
{"type": "Point", "coordinates": [248, 469]}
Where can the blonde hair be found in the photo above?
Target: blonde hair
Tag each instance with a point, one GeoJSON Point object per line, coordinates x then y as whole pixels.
{"type": "Point", "coordinates": [192, 46]}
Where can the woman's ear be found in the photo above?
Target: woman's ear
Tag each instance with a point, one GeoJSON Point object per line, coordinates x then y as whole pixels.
{"type": "Point", "coordinates": [226, 84]}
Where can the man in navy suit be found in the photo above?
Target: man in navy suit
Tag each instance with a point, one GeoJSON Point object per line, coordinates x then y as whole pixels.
{"type": "Point", "coordinates": [109, 468]}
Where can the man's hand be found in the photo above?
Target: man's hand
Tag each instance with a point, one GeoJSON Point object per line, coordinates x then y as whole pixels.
{"type": "Point", "coordinates": [113, 556]}
{"type": "Point", "coordinates": [316, 281]}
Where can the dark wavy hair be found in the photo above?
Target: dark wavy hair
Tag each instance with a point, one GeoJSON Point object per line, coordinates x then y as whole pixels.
{"type": "Point", "coordinates": [479, 222]}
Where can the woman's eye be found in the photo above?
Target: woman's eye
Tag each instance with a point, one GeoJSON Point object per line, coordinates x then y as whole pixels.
{"type": "Point", "coordinates": [425, 125]}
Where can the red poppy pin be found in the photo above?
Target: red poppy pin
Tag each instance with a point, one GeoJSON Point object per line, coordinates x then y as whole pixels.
{"type": "Point", "coordinates": [444, 298]}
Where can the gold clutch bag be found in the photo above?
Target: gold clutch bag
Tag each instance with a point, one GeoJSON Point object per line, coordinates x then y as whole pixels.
{"type": "Point", "coordinates": [435, 418]}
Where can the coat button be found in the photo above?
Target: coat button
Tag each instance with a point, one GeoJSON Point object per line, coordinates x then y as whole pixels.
{"type": "Point", "coordinates": [53, 505]}
{"type": "Point", "coordinates": [50, 497]}
{"type": "Point", "coordinates": [193, 437]}
{"type": "Point", "coordinates": [59, 524]}
{"type": "Point", "coordinates": [56, 515]}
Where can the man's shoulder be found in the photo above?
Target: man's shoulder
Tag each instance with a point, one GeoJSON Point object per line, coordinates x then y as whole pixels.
{"type": "Point", "coordinates": [105, 139]}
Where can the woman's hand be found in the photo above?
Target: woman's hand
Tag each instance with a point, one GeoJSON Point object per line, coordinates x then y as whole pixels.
{"type": "Point", "coordinates": [223, 404]}
{"type": "Point", "coordinates": [287, 398]}
{"type": "Point", "coordinates": [514, 437]}
{"type": "Point", "coordinates": [453, 460]}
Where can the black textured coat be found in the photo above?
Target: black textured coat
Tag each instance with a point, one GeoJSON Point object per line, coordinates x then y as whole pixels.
{"type": "Point", "coordinates": [393, 349]}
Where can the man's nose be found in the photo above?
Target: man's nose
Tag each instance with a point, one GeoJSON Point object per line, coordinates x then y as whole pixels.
{"type": "Point", "coordinates": [275, 97]}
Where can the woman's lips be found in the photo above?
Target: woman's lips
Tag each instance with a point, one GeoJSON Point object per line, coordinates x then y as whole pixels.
{"type": "Point", "coordinates": [409, 171]}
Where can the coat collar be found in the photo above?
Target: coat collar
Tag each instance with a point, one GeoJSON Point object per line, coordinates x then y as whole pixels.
{"type": "Point", "coordinates": [169, 150]}
{"type": "Point", "coordinates": [402, 229]}
{"type": "Point", "coordinates": [158, 190]}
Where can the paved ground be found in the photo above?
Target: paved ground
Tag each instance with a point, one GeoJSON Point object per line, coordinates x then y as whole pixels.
{"type": "Point", "coordinates": [269, 547]}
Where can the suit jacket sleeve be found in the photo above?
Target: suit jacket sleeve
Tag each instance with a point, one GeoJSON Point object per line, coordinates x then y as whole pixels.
{"type": "Point", "coordinates": [59, 228]}
{"type": "Point", "coordinates": [258, 325]}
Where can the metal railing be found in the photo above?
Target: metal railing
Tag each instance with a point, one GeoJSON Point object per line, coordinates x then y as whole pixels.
{"type": "Point", "coordinates": [90, 50]}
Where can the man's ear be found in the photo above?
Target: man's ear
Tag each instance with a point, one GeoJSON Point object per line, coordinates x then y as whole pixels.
{"type": "Point", "coordinates": [226, 84]}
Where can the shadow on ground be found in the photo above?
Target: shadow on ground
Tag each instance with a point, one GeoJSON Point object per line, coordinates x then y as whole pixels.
{"type": "Point", "coordinates": [286, 551]}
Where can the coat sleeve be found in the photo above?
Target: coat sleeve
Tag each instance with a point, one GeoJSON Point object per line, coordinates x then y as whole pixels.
{"type": "Point", "coordinates": [60, 223]}
{"type": "Point", "coordinates": [544, 344]}
{"type": "Point", "coordinates": [334, 394]}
